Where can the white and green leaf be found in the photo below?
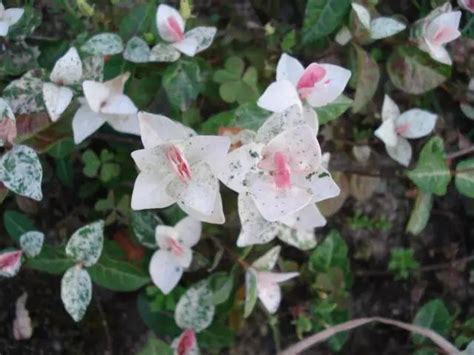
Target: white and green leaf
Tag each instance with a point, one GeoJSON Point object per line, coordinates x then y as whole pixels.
{"type": "Point", "coordinates": [103, 44]}
{"type": "Point", "coordinates": [251, 291]}
{"type": "Point", "coordinates": [76, 292]}
{"type": "Point", "coordinates": [31, 243]}
{"type": "Point", "coordinates": [465, 177]}
{"type": "Point", "coordinates": [85, 245]}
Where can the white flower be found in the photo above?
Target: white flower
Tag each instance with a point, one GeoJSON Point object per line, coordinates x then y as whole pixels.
{"type": "Point", "coordinates": [185, 344]}
{"type": "Point", "coordinates": [282, 171]}
{"type": "Point", "coordinates": [8, 17]}
{"type": "Point", "coordinates": [66, 72]}
{"type": "Point", "coordinates": [396, 128]}
{"type": "Point", "coordinates": [178, 166]}
{"type": "Point", "coordinates": [317, 85]}
{"type": "Point", "coordinates": [268, 288]}
{"type": "Point", "coordinates": [171, 26]}
{"type": "Point", "coordinates": [467, 5]}
{"type": "Point", "coordinates": [105, 102]}
{"type": "Point", "coordinates": [174, 253]}
{"type": "Point", "coordinates": [439, 28]}
{"type": "Point", "coordinates": [10, 262]}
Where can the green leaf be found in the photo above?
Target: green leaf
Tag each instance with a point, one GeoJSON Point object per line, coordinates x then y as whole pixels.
{"type": "Point", "coordinates": [139, 19]}
{"type": "Point", "coordinates": [118, 275]}
{"type": "Point", "coordinates": [250, 116]}
{"type": "Point", "coordinates": [182, 82]}
{"type": "Point", "coordinates": [109, 171]}
{"type": "Point", "coordinates": [76, 292]}
{"type": "Point", "coordinates": [334, 110]}
{"type": "Point", "coordinates": [62, 148]}
{"type": "Point", "coordinates": [432, 172]}
{"type": "Point", "coordinates": [103, 44]}
{"type": "Point", "coordinates": [414, 71]}
{"type": "Point", "coordinates": [433, 315]}
{"type": "Point", "coordinates": [52, 260]}
{"type": "Point", "coordinates": [251, 291]}
{"type": "Point", "coordinates": [65, 171]}
{"type": "Point", "coordinates": [18, 58]}
{"type": "Point", "coordinates": [213, 123]}
{"type": "Point", "coordinates": [21, 172]}
{"type": "Point", "coordinates": [26, 25]}
{"type": "Point", "coordinates": [144, 224]}
{"type": "Point", "coordinates": [86, 244]}
{"type": "Point", "coordinates": [322, 17]}
{"type": "Point", "coordinates": [31, 243]}
{"type": "Point", "coordinates": [420, 214]}
{"type": "Point", "coordinates": [465, 177]}
{"type": "Point", "coordinates": [367, 74]}
{"type": "Point", "coordinates": [221, 285]}
{"type": "Point", "coordinates": [17, 224]}
{"type": "Point", "coordinates": [155, 346]}
{"type": "Point", "coordinates": [195, 309]}
{"type": "Point", "coordinates": [91, 163]}
{"type": "Point", "coordinates": [402, 262]}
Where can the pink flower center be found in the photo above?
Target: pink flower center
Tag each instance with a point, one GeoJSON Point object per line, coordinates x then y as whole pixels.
{"type": "Point", "coordinates": [312, 75]}
{"type": "Point", "coordinates": [281, 173]}
{"type": "Point", "coordinates": [402, 128]}
{"type": "Point", "coordinates": [178, 163]}
{"type": "Point", "coordinates": [444, 35]}
{"type": "Point", "coordinates": [175, 29]}
{"type": "Point", "coordinates": [174, 247]}
{"type": "Point", "coordinates": [186, 342]}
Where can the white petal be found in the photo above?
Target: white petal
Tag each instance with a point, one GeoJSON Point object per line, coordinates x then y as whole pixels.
{"type": "Point", "coordinates": [85, 123]}
{"type": "Point", "coordinates": [331, 87]}
{"type": "Point", "coordinates": [289, 68]}
{"type": "Point", "coordinates": [311, 118]}
{"type": "Point", "coordinates": [153, 160]}
{"type": "Point", "coordinates": [124, 123]}
{"type": "Point", "coordinates": [68, 69]}
{"type": "Point", "coordinates": [384, 27]}
{"type": "Point", "coordinates": [13, 15]}
{"type": "Point", "coordinates": [158, 129]}
{"type": "Point", "coordinates": [210, 149]}
{"type": "Point", "coordinates": [165, 271]}
{"type": "Point", "coordinates": [96, 94]}
{"type": "Point", "coordinates": [321, 185]}
{"type": "Point", "coordinates": [56, 99]}
{"type": "Point", "coordinates": [278, 96]}
{"type": "Point", "coordinates": [269, 291]}
{"type": "Point", "coordinates": [163, 14]}
{"type": "Point", "coordinates": [196, 40]}
{"type": "Point", "coordinates": [268, 260]}
{"type": "Point", "coordinates": [401, 152]}
{"type": "Point", "coordinates": [150, 192]}
{"type": "Point", "coordinates": [216, 216]}
{"type": "Point", "coordinates": [446, 20]}
{"type": "Point", "coordinates": [119, 105]}
{"type": "Point", "coordinates": [255, 229]}
{"type": "Point", "coordinates": [390, 110]}
{"type": "Point", "coordinates": [189, 231]}
{"type": "Point", "coordinates": [4, 26]}
{"type": "Point", "coordinates": [275, 203]}
{"type": "Point", "coordinates": [363, 14]}
{"type": "Point", "coordinates": [163, 234]}
{"type": "Point", "coordinates": [307, 218]}
{"type": "Point", "coordinates": [438, 53]}
{"type": "Point", "coordinates": [386, 132]}
{"type": "Point", "coordinates": [415, 123]}
{"type": "Point", "coordinates": [238, 164]}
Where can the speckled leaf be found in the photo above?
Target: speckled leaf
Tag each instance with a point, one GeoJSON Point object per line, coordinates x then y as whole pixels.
{"type": "Point", "coordinates": [301, 239]}
{"type": "Point", "coordinates": [31, 243]}
{"type": "Point", "coordinates": [86, 243]}
{"type": "Point", "coordinates": [182, 83]}
{"type": "Point", "coordinates": [28, 22]}
{"type": "Point", "coordinates": [25, 95]}
{"type": "Point", "coordinates": [164, 53]}
{"type": "Point", "coordinates": [144, 224]}
{"type": "Point", "coordinates": [432, 173]}
{"type": "Point", "coordinates": [93, 68]}
{"type": "Point", "coordinates": [8, 130]}
{"type": "Point", "coordinates": [21, 172]}
{"type": "Point", "coordinates": [251, 291]}
{"type": "Point", "coordinates": [76, 292]}
{"type": "Point", "coordinates": [267, 261]}
{"type": "Point", "coordinates": [368, 75]}
{"type": "Point", "coordinates": [195, 309]}
{"type": "Point", "coordinates": [137, 50]}
{"type": "Point", "coordinates": [103, 44]}
{"type": "Point", "coordinates": [421, 213]}
{"type": "Point", "coordinates": [465, 177]}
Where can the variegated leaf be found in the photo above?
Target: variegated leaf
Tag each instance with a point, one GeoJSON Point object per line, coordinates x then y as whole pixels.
{"type": "Point", "coordinates": [32, 243]}
{"type": "Point", "coordinates": [86, 243]}
{"type": "Point", "coordinates": [103, 44]}
{"type": "Point", "coordinates": [76, 291]}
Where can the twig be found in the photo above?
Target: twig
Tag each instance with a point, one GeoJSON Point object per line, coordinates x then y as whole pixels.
{"type": "Point", "coordinates": [105, 325]}
{"type": "Point", "coordinates": [111, 137]}
{"type": "Point", "coordinates": [460, 153]}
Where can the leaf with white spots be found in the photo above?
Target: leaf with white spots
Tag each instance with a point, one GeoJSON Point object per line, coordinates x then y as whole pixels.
{"type": "Point", "coordinates": [68, 69]}
{"type": "Point", "coordinates": [137, 50]}
{"type": "Point", "coordinates": [163, 52]}
{"type": "Point", "coordinates": [251, 292]}
{"type": "Point", "coordinates": [384, 27]}
{"type": "Point", "coordinates": [10, 262]}
{"type": "Point", "coordinates": [56, 99]}
{"type": "Point", "coordinates": [76, 291]}
{"type": "Point", "coordinates": [86, 243]}
{"type": "Point", "coordinates": [103, 44]}
{"type": "Point", "coordinates": [8, 130]}
{"type": "Point", "coordinates": [267, 261]}
{"type": "Point", "coordinates": [299, 238]}
{"type": "Point", "coordinates": [21, 172]}
{"type": "Point", "coordinates": [25, 94]}
{"type": "Point", "coordinates": [31, 243]}
{"type": "Point", "coordinates": [93, 68]}
{"type": "Point", "coordinates": [195, 309]}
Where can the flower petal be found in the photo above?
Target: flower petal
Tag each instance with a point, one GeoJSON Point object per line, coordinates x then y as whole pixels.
{"type": "Point", "coordinates": [169, 22]}
{"type": "Point", "coordinates": [289, 68]}
{"type": "Point", "coordinates": [387, 133]}
{"type": "Point", "coordinates": [56, 99]}
{"type": "Point", "coordinates": [158, 129]}
{"type": "Point", "coordinates": [390, 110]}
{"type": "Point", "coordinates": [216, 216]}
{"type": "Point", "coordinates": [163, 234]}
{"type": "Point", "coordinates": [321, 185]}
{"type": "Point", "coordinates": [278, 96]}
{"type": "Point", "coordinates": [189, 231]}
{"type": "Point", "coordinates": [209, 149]}
{"type": "Point", "coordinates": [444, 28]}
{"type": "Point", "coordinates": [119, 105]}
{"type": "Point", "coordinates": [165, 272]}
{"type": "Point", "coordinates": [269, 291]}
{"type": "Point", "coordinates": [4, 26]}
{"type": "Point", "coordinates": [307, 218]}
{"type": "Point", "coordinates": [124, 123]}
{"type": "Point", "coordinates": [330, 87]}
{"type": "Point", "coordinates": [85, 123]}
{"type": "Point", "coordinates": [150, 192]}
{"type": "Point", "coordinates": [401, 152]}
{"type": "Point", "coordinates": [438, 53]}
{"type": "Point", "coordinates": [415, 123]}
{"type": "Point", "coordinates": [68, 69]}
{"type": "Point", "coordinates": [196, 40]}
{"type": "Point", "coordinates": [13, 15]}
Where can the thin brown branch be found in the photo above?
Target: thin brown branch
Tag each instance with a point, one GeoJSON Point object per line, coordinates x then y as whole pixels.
{"type": "Point", "coordinates": [460, 153]}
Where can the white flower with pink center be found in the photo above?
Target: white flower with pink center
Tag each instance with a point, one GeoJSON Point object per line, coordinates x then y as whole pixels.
{"type": "Point", "coordinates": [8, 17]}
{"type": "Point", "coordinates": [174, 254]}
{"type": "Point", "coordinates": [178, 166]}
{"type": "Point", "coordinates": [105, 103]}
{"type": "Point", "coordinates": [186, 343]}
{"type": "Point", "coordinates": [171, 27]}
{"type": "Point", "coordinates": [282, 171]}
{"type": "Point", "coordinates": [396, 128]}
{"type": "Point", "coordinates": [440, 28]}
{"type": "Point", "coordinates": [317, 85]}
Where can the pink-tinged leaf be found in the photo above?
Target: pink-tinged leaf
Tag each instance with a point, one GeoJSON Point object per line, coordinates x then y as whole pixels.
{"type": "Point", "coordinates": [10, 263]}
{"type": "Point", "coordinates": [186, 344]}
{"type": "Point", "coordinates": [8, 131]}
